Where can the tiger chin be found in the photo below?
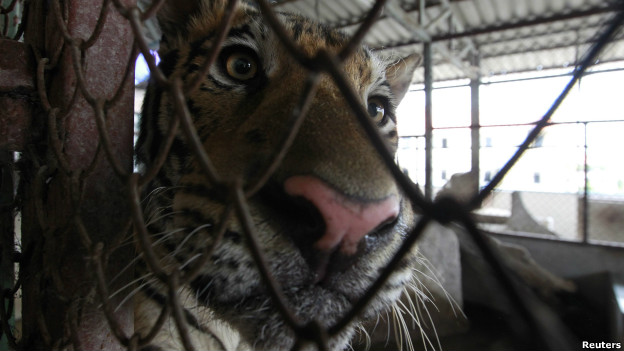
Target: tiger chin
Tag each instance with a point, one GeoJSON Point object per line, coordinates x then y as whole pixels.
{"type": "Point", "coordinates": [329, 218]}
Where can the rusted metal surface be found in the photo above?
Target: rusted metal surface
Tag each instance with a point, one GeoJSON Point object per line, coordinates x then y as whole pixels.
{"type": "Point", "coordinates": [82, 50]}
{"type": "Point", "coordinates": [16, 66]}
{"type": "Point", "coordinates": [17, 94]}
{"type": "Point", "coordinates": [15, 116]}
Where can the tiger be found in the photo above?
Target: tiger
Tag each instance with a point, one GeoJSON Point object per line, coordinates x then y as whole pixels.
{"type": "Point", "coordinates": [328, 219]}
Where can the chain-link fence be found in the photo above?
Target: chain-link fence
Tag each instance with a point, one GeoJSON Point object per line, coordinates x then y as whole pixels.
{"type": "Point", "coordinates": [79, 200]}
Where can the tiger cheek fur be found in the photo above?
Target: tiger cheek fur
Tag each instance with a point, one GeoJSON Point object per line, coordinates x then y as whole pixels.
{"type": "Point", "coordinates": [329, 218]}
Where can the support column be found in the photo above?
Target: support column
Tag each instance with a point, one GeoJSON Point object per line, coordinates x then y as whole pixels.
{"type": "Point", "coordinates": [428, 122]}
{"type": "Point", "coordinates": [72, 198]}
{"type": "Point", "coordinates": [475, 125]}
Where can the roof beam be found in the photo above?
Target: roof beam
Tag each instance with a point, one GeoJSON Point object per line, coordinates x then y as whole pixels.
{"type": "Point", "coordinates": [347, 22]}
{"type": "Point", "coordinates": [421, 30]}
{"type": "Point", "coordinates": [538, 48]}
{"type": "Point", "coordinates": [514, 25]}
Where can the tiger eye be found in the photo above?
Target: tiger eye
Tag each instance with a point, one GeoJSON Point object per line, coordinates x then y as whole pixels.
{"type": "Point", "coordinates": [376, 109]}
{"type": "Point", "coordinates": [241, 66]}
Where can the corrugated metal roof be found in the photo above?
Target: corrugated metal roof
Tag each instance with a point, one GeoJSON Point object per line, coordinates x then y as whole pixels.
{"type": "Point", "coordinates": [508, 35]}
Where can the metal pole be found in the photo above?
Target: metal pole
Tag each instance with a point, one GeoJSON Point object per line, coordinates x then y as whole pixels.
{"type": "Point", "coordinates": [428, 122]}
{"type": "Point", "coordinates": [7, 239]}
{"type": "Point", "coordinates": [58, 287]}
{"type": "Point", "coordinates": [475, 124]}
{"type": "Point", "coordinates": [585, 190]}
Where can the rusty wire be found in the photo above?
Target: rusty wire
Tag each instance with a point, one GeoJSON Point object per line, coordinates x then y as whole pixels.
{"type": "Point", "coordinates": [323, 62]}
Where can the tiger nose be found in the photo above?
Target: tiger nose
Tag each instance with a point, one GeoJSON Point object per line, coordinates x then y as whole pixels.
{"type": "Point", "coordinates": [347, 221]}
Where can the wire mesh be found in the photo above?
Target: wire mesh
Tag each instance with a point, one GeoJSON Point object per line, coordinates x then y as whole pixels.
{"type": "Point", "coordinates": [45, 165]}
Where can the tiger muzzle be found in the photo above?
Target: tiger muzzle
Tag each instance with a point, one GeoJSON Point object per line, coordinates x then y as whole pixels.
{"type": "Point", "coordinates": [347, 221]}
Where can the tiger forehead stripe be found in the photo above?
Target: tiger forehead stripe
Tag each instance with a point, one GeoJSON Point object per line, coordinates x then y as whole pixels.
{"type": "Point", "coordinates": [199, 48]}
{"type": "Point", "coordinates": [242, 31]}
{"type": "Point", "coordinates": [202, 47]}
{"type": "Point", "coordinates": [306, 32]}
{"type": "Point", "coordinates": [371, 71]}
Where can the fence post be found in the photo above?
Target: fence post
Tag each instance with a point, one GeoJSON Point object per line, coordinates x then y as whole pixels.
{"type": "Point", "coordinates": [75, 184]}
{"type": "Point", "coordinates": [6, 241]}
{"type": "Point", "coordinates": [585, 199]}
{"type": "Point", "coordinates": [428, 121]}
{"type": "Point", "coordinates": [17, 97]}
{"type": "Point", "coordinates": [475, 124]}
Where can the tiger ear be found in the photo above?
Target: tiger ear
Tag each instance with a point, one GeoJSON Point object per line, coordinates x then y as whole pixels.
{"type": "Point", "coordinates": [400, 74]}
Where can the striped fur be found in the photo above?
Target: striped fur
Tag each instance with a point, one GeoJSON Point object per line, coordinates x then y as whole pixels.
{"type": "Point", "coordinates": [241, 112]}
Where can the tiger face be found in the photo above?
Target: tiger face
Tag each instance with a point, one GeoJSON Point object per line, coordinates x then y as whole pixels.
{"type": "Point", "coordinates": [328, 219]}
